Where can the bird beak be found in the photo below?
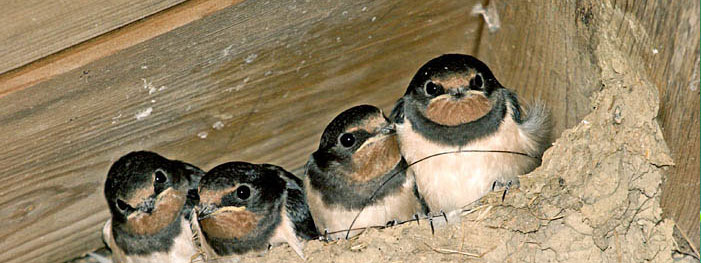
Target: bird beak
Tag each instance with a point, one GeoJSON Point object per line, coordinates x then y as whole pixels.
{"type": "Point", "coordinates": [147, 205]}
{"type": "Point", "coordinates": [388, 129]}
{"type": "Point", "coordinates": [205, 211]}
{"type": "Point", "coordinates": [458, 93]}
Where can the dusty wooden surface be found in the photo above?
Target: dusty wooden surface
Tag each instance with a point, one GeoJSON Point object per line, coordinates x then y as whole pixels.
{"type": "Point", "coordinates": [541, 53]}
{"type": "Point", "coordinates": [32, 29]}
{"type": "Point", "coordinates": [546, 53]}
{"type": "Point", "coordinates": [257, 81]}
{"type": "Point", "coordinates": [109, 43]}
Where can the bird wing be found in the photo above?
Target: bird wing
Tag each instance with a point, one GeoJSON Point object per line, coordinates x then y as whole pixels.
{"type": "Point", "coordinates": [397, 114]}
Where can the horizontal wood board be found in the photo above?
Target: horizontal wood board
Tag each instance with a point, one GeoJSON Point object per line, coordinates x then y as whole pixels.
{"type": "Point", "coordinates": [108, 43]}
{"type": "Point", "coordinates": [32, 29]}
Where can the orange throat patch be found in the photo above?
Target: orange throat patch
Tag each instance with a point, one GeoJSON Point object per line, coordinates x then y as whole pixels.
{"type": "Point", "coordinates": [230, 225]}
{"type": "Point", "coordinates": [445, 110]}
{"type": "Point", "coordinates": [168, 206]}
{"type": "Point", "coordinates": [375, 158]}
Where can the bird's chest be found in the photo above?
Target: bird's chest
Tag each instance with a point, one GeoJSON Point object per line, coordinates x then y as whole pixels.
{"type": "Point", "coordinates": [182, 250]}
{"type": "Point", "coordinates": [452, 180]}
{"type": "Point", "coordinates": [335, 220]}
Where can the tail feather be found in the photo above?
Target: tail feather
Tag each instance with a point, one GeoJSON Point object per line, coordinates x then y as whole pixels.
{"type": "Point", "coordinates": [397, 114]}
{"type": "Point", "coordinates": [538, 125]}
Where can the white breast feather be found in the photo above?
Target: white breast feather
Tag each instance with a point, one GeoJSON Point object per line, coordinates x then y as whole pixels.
{"type": "Point", "coordinates": [452, 181]}
{"type": "Point", "coordinates": [334, 218]}
{"type": "Point", "coordinates": [183, 248]}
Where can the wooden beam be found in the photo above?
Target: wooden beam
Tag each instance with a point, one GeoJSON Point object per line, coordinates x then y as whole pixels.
{"type": "Point", "coordinates": [541, 54]}
{"type": "Point", "coordinates": [109, 43]}
{"type": "Point", "coordinates": [257, 81]}
{"type": "Point", "coordinates": [32, 29]}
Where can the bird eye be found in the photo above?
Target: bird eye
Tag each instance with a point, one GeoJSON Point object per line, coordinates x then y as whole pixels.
{"type": "Point", "coordinates": [476, 82]}
{"type": "Point", "coordinates": [121, 205]}
{"type": "Point", "coordinates": [243, 192]}
{"type": "Point", "coordinates": [432, 89]}
{"type": "Point", "coordinates": [161, 176]}
{"type": "Point", "coordinates": [347, 140]}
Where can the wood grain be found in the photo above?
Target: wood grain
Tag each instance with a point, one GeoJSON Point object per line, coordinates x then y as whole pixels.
{"type": "Point", "coordinates": [32, 29]}
{"type": "Point", "coordinates": [109, 43]}
{"type": "Point", "coordinates": [547, 53]}
{"type": "Point", "coordinates": [257, 81]}
{"type": "Point", "coordinates": [542, 53]}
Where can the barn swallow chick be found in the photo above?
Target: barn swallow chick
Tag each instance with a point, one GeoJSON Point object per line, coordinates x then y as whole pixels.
{"type": "Point", "coordinates": [150, 199]}
{"type": "Point", "coordinates": [359, 156]}
{"type": "Point", "coordinates": [455, 103]}
{"type": "Point", "coordinates": [248, 207]}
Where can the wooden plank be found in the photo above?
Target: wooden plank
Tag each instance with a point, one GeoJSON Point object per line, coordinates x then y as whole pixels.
{"type": "Point", "coordinates": [109, 43]}
{"type": "Point", "coordinates": [547, 53]}
{"type": "Point", "coordinates": [538, 53]}
{"type": "Point", "coordinates": [33, 29]}
{"type": "Point", "coordinates": [273, 73]}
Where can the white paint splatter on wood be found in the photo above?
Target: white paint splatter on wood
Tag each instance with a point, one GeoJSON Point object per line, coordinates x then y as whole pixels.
{"type": "Point", "coordinates": [144, 113]}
